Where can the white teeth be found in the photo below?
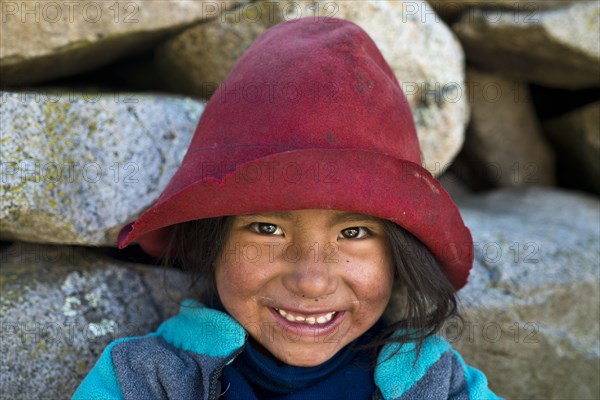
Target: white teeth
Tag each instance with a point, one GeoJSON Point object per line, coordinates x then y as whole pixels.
{"type": "Point", "coordinates": [324, 318]}
{"type": "Point", "coordinates": [309, 320]}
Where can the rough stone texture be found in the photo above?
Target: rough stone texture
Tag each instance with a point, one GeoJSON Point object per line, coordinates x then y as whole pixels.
{"type": "Point", "coordinates": [200, 58]}
{"type": "Point", "coordinates": [76, 167]}
{"type": "Point", "coordinates": [504, 145]}
{"type": "Point", "coordinates": [533, 298]}
{"type": "Point", "coordinates": [504, 4]}
{"type": "Point", "coordinates": [61, 306]}
{"type": "Point", "coordinates": [64, 38]}
{"type": "Point", "coordinates": [430, 66]}
{"type": "Point", "coordinates": [453, 8]}
{"type": "Point", "coordinates": [455, 187]}
{"type": "Point", "coordinates": [576, 136]}
{"type": "Point", "coordinates": [555, 48]}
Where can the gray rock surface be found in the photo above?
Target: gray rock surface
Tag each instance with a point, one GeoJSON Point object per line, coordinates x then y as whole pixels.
{"type": "Point", "coordinates": [453, 8]}
{"type": "Point", "coordinates": [64, 38]}
{"type": "Point", "coordinates": [504, 145]}
{"type": "Point", "coordinates": [556, 48]}
{"type": "Point", "coordinates": [455, 187]}
{"type": "Point", "coordinates": [77, 166]}
{"type": "Point", "coordinates": [533, 298]}
{"type": "Point", "coordinates": [429, 63]}
{"type": "Point", "coordinates": [576, 136]}
{"type": "Point", "coordinates": [197, 60]}
{"type": "Point", "coordinates": [507, 4]}
{"type": "Point", "coordinates": [60, 306]}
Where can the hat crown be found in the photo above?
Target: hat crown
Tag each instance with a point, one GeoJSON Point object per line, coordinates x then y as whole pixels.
{"type": "Point", "coordinates": [311, 83]}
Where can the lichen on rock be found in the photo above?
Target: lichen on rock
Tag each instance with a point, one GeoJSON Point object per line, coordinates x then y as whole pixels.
{"type": "Point", "coordinates": [62, 305]}
{"type": "Point", "coordinates": [77, 166]}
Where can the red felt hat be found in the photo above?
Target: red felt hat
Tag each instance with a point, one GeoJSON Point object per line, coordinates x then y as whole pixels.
{"type": "Point", "coordinates": [310, 117]}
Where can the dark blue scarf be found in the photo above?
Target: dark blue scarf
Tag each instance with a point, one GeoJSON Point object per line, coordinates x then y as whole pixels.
{"type": "Point", "coordinates": [347, 375]}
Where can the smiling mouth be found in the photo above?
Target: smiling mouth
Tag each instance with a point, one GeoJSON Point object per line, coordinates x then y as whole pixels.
{"type": "Point", "coordinates": [312, 320]}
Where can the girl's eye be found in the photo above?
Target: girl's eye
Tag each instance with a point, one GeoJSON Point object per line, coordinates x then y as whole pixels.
{"type": "Point", "coordinates": [356, 232]}
{"type": "Point", "coordinates": [265, 228]}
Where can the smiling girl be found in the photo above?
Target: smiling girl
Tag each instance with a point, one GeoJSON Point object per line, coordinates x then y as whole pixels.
{"type": "Point", "coordinates": [302, 205]}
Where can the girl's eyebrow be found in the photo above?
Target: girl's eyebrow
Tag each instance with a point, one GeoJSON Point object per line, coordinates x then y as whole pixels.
{"type": "Point", "coordinates": [280, 214]}
{"type": "Point", "coordinates": [352, 217]}
{"type": "Point", "coordinates": [335, 220]}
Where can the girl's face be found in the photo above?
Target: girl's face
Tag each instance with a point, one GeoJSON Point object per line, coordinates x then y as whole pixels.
{"type": "Point", "coordinates": [305, 283]}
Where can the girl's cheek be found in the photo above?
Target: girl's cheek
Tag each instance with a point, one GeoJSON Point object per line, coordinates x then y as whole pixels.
{"type": "Point", "coordinates": [238, 279]}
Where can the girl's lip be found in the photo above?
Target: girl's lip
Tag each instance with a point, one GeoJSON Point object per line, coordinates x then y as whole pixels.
{"type": "Point", "coordinates": [298, 329]}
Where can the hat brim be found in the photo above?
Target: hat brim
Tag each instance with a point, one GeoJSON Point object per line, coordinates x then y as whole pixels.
{"type": "Point", "coordinates": [346, 180]}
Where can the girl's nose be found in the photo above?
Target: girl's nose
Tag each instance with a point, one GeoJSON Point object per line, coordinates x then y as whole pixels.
{"type": "Point", "coordinates": [310, 275]}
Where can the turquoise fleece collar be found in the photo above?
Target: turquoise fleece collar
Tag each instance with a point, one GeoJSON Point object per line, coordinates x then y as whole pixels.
{"type": "Point", "coordinates": [198, 329]}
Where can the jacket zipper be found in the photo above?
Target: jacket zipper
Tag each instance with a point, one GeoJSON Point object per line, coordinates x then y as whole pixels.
{"type": "Point", "coordinates": [214, 378]}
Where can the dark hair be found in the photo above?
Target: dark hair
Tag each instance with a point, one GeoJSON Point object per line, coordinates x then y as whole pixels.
{"type": "Point", "coordinates": [195, 247]}
{"type": "Point", "coordinates": [428, 296]}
